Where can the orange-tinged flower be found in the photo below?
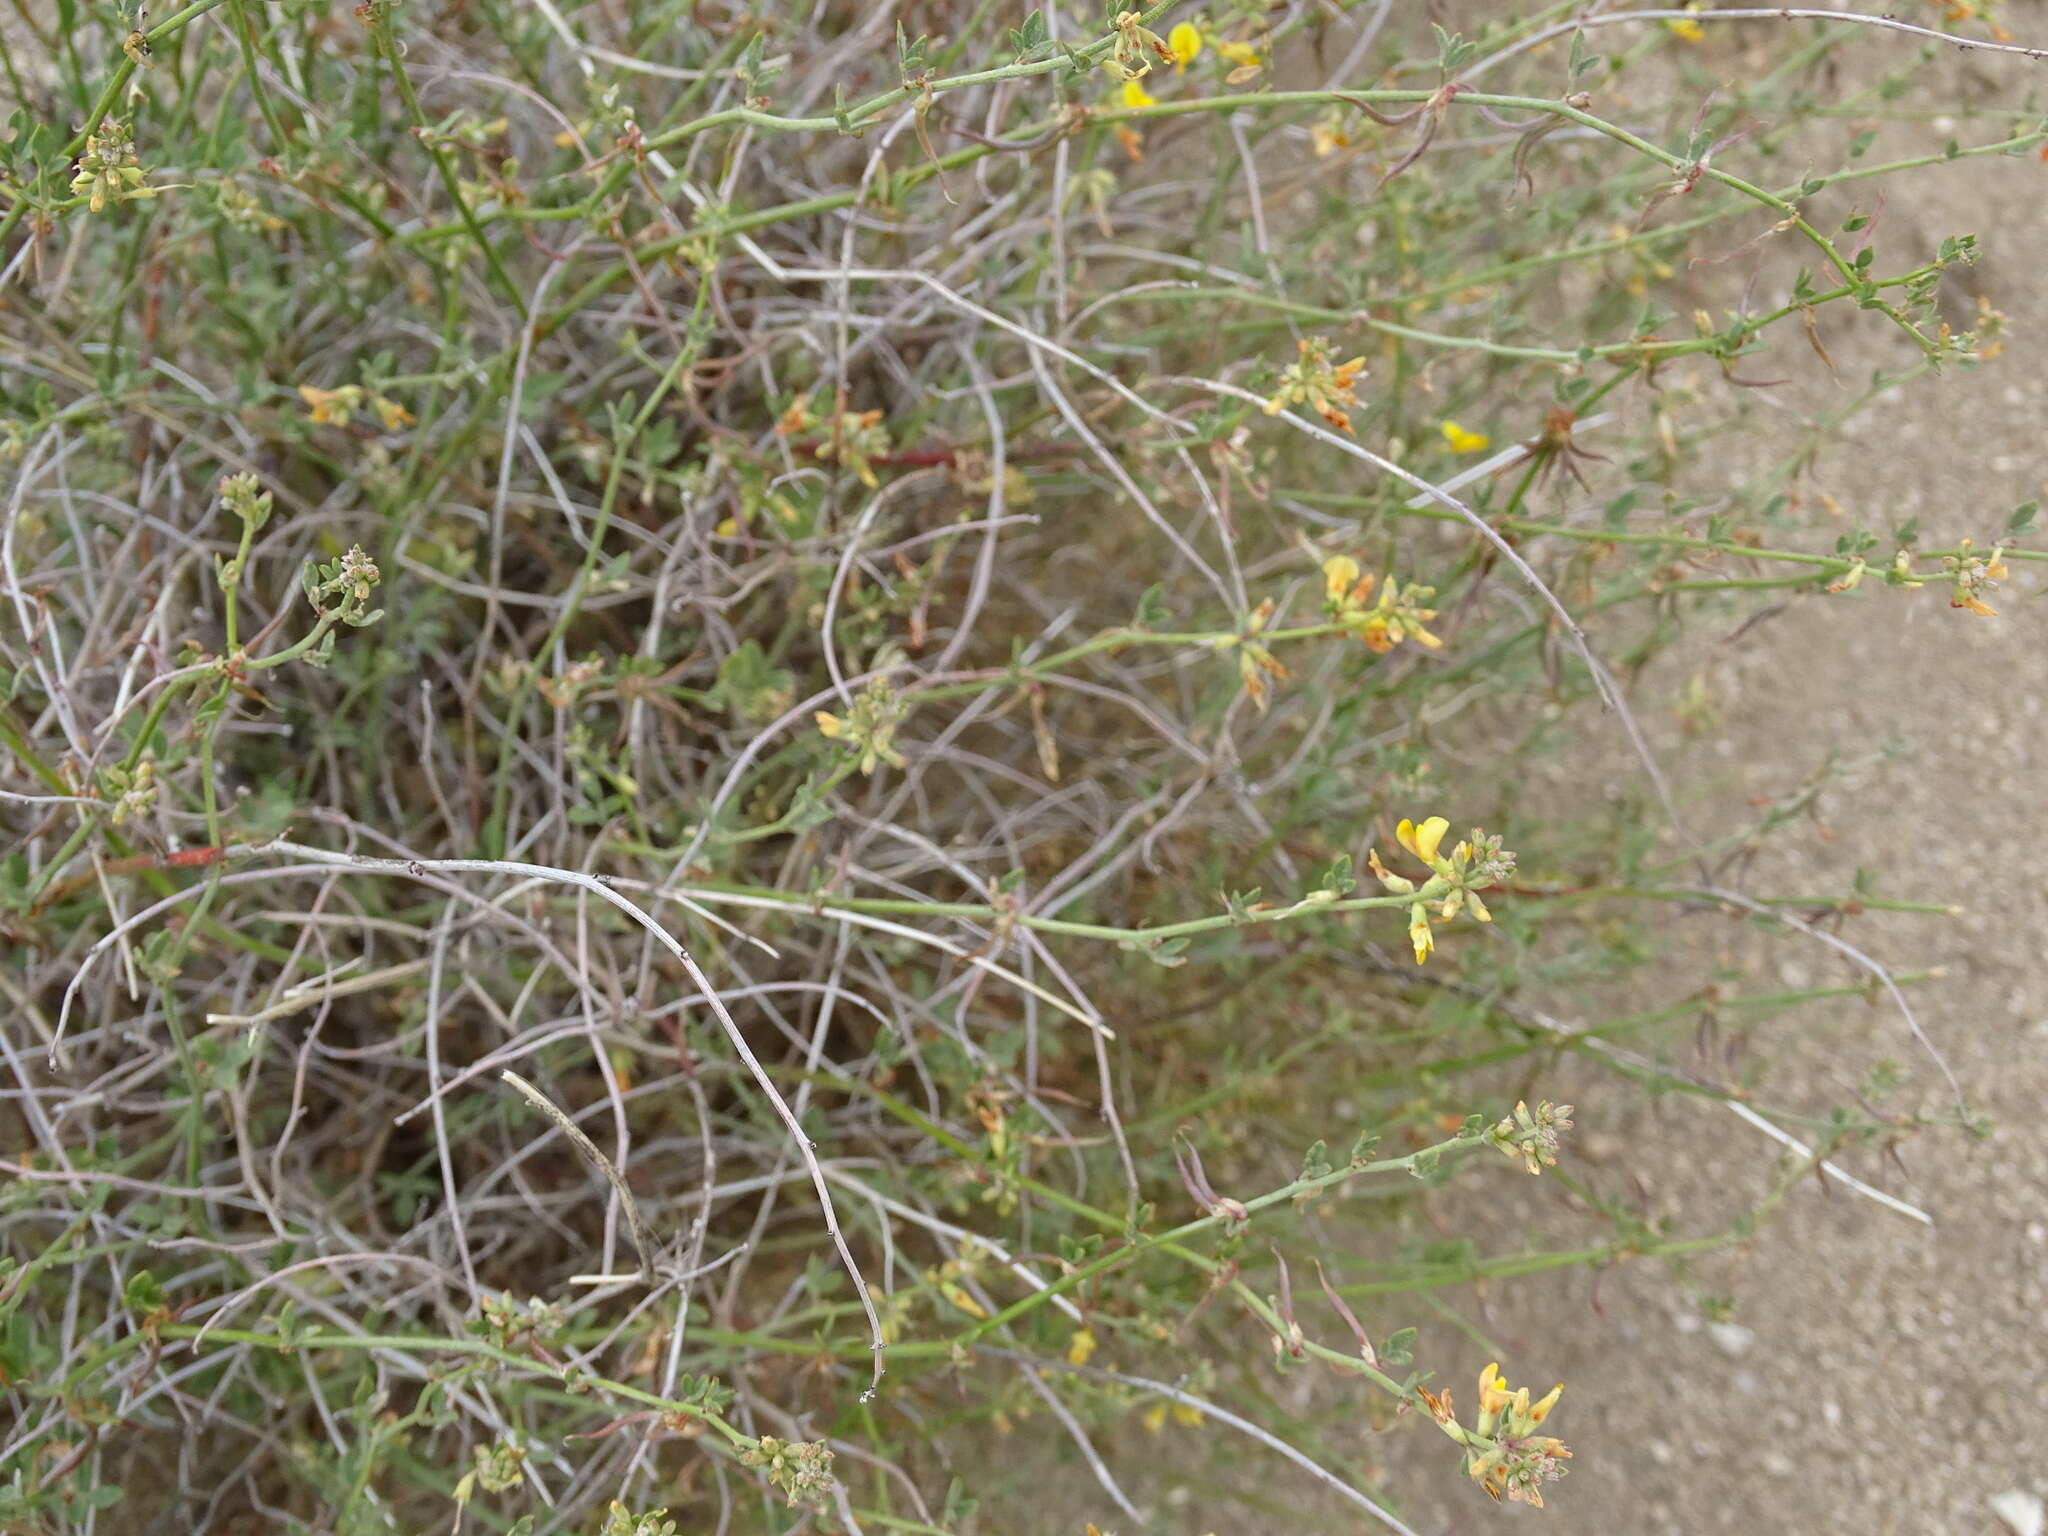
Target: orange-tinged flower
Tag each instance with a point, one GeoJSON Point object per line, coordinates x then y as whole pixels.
{"type": "Point", "coordinates": [1345, 587]}
{"type": "Point", "coordinates": [1493, 1388]}
{"type": "Point", "coordinates": [1323, 384]}
{"type": "Point", "coordinates": [1400, 885]}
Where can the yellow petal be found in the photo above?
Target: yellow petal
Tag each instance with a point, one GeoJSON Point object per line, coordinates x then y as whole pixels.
{"type": "Point", "coordinates": [1135, 95]}
{"type": "Point", "coordinates": [1185, 44]}
{"type": "Point", "coordinates": [1691, 31]}
{"type": "Point", "coordinates": [1540, 1411]}
{"type": "Point", "coordinates": [958, 1294]}
{"type": "Point", "coordinates": [1462, 441]}
{"type": "Point", "coordinates": [1340, 572]}
{"type": "Point", "coordinates": [1081, 1346]}
{"type": "Point", "coordinates": [1424, 840]}
{"type": "Point", "coordinates": [1419, 933]}
{"type": "Point", "coordinates": [828, 725]}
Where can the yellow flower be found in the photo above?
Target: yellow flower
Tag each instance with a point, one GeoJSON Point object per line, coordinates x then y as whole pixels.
{"type": "Point", "coordinates": [391, 412]}
{"type": "Point", "coordinates": [1340, 574]}
{"type": "Point", "coordinates": [1328, 137]}
{"type": "Point", "coordinates": [1155, 1417]}
{"type": "Point", "coordinates": [1493, 1388]}
{"type": "Point", "coordinates": [1418, 932]}
{"type": "Point", "coordinates": [962, 1298]}
{"type": "Point", "coordinates": [1424, 840]}
{"type": "Point", "coordinates": [1502, 1454]}
{"type": "Point", "coordinates": [1689, 31]}
{"type": "Point", "coordinates": [331, 407]}
{"type": "Point", "coordinates": [829, 725]}
{"type": "Point", "coordinates": [1185, 44]}
{"type": "Point", "coordinates": [1081, 1346]}
{"type": "Point", "coordinates": [1243, 55]}
{"type": "Point", "coordinates": [1135, 95]}
{"type": "Point", "coordinates": [1462, 441]}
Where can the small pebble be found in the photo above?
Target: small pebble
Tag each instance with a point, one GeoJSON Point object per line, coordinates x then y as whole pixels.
{"type": "Point", "coordinates": [1732, 1339]}
{"type": "Point", "coordinates": [2020, 1512]}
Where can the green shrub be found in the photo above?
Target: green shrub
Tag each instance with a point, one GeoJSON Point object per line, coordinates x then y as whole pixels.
{"type": "Point", "coordinates": [726, 730]}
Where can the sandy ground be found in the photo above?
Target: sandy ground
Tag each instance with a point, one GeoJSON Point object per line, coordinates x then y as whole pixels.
{"type": "Point", "coordinates": [1875, 1374]}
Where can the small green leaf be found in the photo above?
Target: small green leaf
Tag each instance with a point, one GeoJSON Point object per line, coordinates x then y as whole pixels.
{"type": "Point", "coordinates": [1026, 41]}
{"type": "Point", "coordinates": [143, 1294]}
{"type": "Point", "coordinates": [1316, 1164]}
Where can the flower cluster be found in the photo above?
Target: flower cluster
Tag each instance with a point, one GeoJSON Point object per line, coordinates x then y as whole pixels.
{"type": "Point", "coordinates": [1254, 661]}
{"type": "Point", "coordinates": [242, 209]}
{"type": "Point", "coordinates": [507, 1321]}
{"type": "Point", "coordinates": [1517, 1462]}
{"type": "Point", "coordinates": [1969, 573]}
{"type": "Point", "coordinates": [853, 439]}
{"type": "Point", "coordinates": [245, 499]}
{"type": "Point", "coordinates": [108, 170]}
{"type": "Point", "coordinates": [869, 726]}
{"type": "Point", "coordinates": [338, 407]}
{"type": "Point", "coordinates": [798, 1468]}
{"type": "Point", "coordinates": [133, 792]}
{"type": "Point", "coordinates": [339, 591]}
{"type": "Point", "coordinates": [621, 1521]}
{"type": "Point", "coordinates": [1316, 379]}
{"type": "Point", "coordinates": [1397, 615]}
{"type": "Point", "coordinates": [499, 1469]}
{"type": "Point", "coordinates": [1470, 867]}
{"type": "Point", "coordinates": [1531, 1135]}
